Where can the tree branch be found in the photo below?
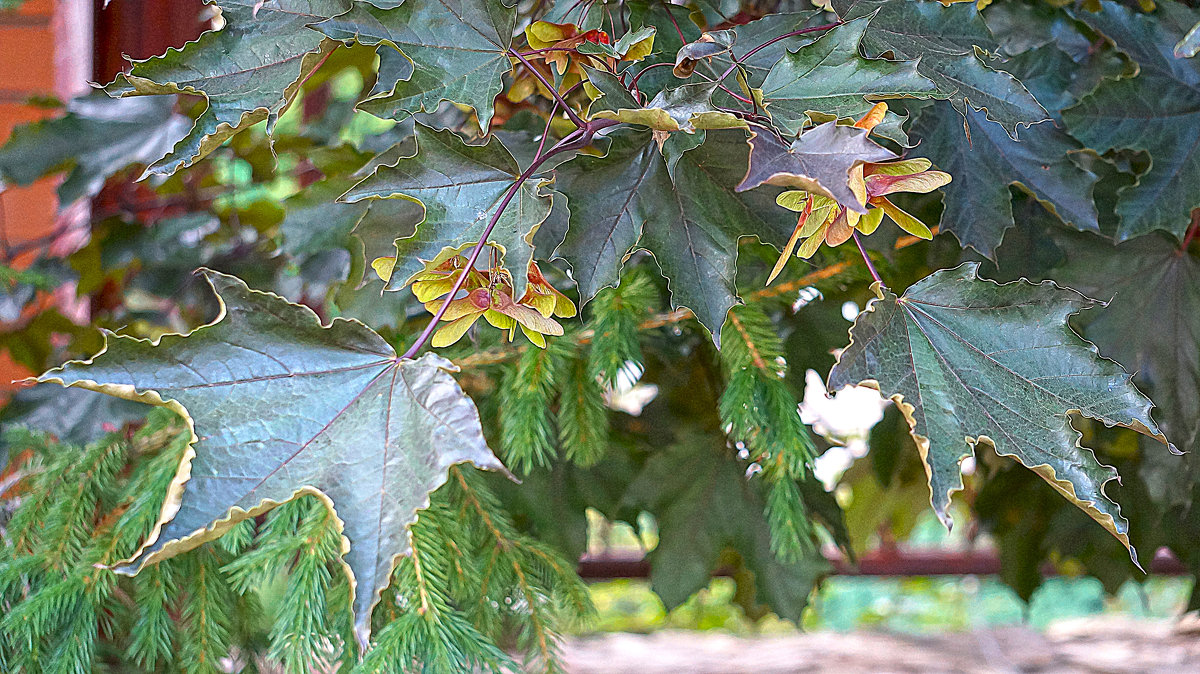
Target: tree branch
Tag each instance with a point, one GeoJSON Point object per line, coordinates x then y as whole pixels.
{"type": "Point", "coordinates": [553, 91]}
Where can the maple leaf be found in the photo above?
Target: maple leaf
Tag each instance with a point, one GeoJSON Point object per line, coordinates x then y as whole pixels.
{"type": "Point", "coordinates": [979, 206]}
{"type": "Point", "coordinates": [1149, 271]}
{"type": "Point", "coordinates": [679, 203]}
{"type": "Point", "coordinates": [971, 361]}
{"type": "Point", "coordinates": [460, 187]}
{"type": "Point", "coordinates": [830, 77]}
{"type": "Point", "coordinates": [950, 43]}
{"type": "Point", "coordinates": [97, 137]}
{"type": "Point", "coordinates": [280, 405]}
{"type": "Point", "coordinates": [454, 50]}
{"type": "Point", "coordinates": [1158, 112]}
{"type": "Point", "coordinates": [272, 47]}
{"type": "Point", "coordinates": [819, 161]}
{"type": "Point", "coordinates": [713, 496]}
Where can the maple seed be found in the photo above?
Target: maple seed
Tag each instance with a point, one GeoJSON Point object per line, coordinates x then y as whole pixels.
{"type": "Point", "coordinates": [823, 220]}
{"type": "Point", "coordinates": [489, 296]}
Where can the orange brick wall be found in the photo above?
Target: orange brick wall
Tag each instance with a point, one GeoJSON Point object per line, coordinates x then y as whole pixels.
{"type": "Point", "coordinates": [45, 50]}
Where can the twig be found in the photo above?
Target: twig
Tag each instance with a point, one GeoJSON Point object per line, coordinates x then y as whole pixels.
{"type": "Point", "coordinates": [866, 258]}
{"type": "Point", "coordinates": [772, 41]}
{"type": "Point", "coordinates": [317, 67]}
{"type": "Point", "coordinates": [633, 83]}
{"type": "Point", "coordinates": [553, 91]}
{"type": "Point", "coordinates": [667, 9]}
{"type": "Point", "coordinates": [755, 356]}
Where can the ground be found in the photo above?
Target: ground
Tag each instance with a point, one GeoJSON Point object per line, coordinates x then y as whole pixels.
{"type": "Point", "coordinates": [1095, 644]}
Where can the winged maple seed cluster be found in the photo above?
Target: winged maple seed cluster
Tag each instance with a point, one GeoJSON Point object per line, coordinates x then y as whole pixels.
{"type": "Point", "coordinates": [607, 135]}
{"type": "Point", "coordinates": [825, 220]}
{"type": "Point", "coordinates": [489, 294]}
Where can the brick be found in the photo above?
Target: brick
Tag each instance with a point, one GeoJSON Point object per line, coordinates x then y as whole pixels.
{"type": "Point", "coordinates": [27, 59]}
{"type": "Point", "coordinates": [15, 114]}
{"type": "Point", "coordinates": [10, 372]}
{"type": "Point", "coordinates": [30, 8]}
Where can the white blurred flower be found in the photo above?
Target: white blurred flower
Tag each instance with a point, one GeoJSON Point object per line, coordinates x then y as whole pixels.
{"type": "Point", "coordinates": [845, 418]}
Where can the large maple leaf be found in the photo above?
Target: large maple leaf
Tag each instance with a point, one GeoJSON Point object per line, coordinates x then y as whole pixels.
{"type": "Point", "coordinates": [1149, 271]}
{"type": "Point", "coordinates": [971, 361]}
{"type": "Point", "coordinates": [978, 203]}
{"type": "Point", "coordinates": [281, 405]}
{"type": "Point", "coordinates": [679, 203]}
{"type": "Point", "coordinates": [830, 77]}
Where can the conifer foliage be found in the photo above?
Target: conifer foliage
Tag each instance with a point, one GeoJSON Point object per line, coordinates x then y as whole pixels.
{"type": "Point", "coordinates": [388, 299]}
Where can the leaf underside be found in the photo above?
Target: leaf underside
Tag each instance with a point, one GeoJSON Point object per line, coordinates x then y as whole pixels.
{"type": "Point", "coordinates": [281, 405]}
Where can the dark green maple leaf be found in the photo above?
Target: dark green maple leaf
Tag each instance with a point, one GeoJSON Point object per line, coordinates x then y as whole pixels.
{"type": "Point", "coordinates": [1020, 27]}
{"type": "Point", "coordinates": [978, 204]}
{"type": "Point", "coordinates": [705, 507]}
{"type": "Point", "coordinates": [819, 161]}
{"type": "Point", "coordinates": [681, 207]}
{"type": "Point", "coordinates": [248, 71]}
{"type": "Point", "coordinates": [1148, 272]}
{"type": "Point", "coordinates": [750, 35]}
{"type": "Point", "coordinates": [460, 187]}
{"type": "Point", "coordinates": [456, 50]}
{"type": "Point", "coordinates": [281, 405]}
{"type": "Point", "coordinates": [970, 361]}
{"type": "Point", "coordinates": [96, 138]}
{"type": "Point", "coordinates": [829, 76]}
{"type": "Point", "coordinates": [949, 41]}
{"type": "Point", "coordinates": [1158, 112]}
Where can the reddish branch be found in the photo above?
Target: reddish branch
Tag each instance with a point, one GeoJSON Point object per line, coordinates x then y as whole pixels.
{"type": "Point", "coordinates": [553, 90]}
{"type": "Point", "coordinates": [768, 43]}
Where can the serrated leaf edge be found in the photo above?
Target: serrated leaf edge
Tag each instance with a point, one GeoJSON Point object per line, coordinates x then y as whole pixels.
{"type": "Point", "coordinates": [141, 86]}
{"type": "Point", "coordinates": [1045, 471]}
